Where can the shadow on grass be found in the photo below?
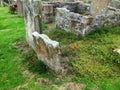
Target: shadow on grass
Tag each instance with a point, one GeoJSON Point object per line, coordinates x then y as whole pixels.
{"type": "Point", "coordinates": [104, 31]}
{"type": "Point", "coordinates": [33, 64]}
{"type": "Point", "coordinates": [29, 57]}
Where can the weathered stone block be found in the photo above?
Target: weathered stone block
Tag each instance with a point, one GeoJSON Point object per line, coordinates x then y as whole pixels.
{"type": "Point", "coordinates": [47, 51]}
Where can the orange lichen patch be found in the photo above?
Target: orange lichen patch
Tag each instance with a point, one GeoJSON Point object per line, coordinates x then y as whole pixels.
{"type": "Point", "coordinates": [74, 46]}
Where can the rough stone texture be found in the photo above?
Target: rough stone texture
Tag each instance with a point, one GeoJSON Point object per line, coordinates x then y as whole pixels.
{"type": "Point", "coordinates": [20, 8]}
{"type": "Point", "coordinates": [72, 22]}
{"type": "Point", "coordinates": [82, 25]}
{"type": "Point", "coordinates": [47, 50]}
{"type": "Point", "coordinates": [77, 7]}
{"type": "Point", "coordinates": [98, 7]}
{"type": "Point", "coordinates": [83, 9]}
{"type": "Point", "coordinates": [32, 15]}
{"type": "Point", "coordinates": [117, 50]}
{"type": "Point", "coordinates": [115, 3]}
{"type": "Point", "coordinates": [47, 13]}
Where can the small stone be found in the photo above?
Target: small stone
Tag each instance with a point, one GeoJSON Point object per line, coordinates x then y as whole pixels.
{"type": "Point", "coordinates": [117, 50]}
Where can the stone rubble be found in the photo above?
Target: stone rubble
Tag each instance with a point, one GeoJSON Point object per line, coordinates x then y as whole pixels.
{"type": "Point", "coordinates": [117, 50]}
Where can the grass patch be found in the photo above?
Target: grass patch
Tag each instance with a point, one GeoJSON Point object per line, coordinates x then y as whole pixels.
{"type": "Point", "coordinates": [92, 59]}
{"type": "Point", "coordinates": [17, 61]}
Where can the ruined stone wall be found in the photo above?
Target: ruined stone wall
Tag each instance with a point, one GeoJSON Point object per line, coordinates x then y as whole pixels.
{"type": "Point", "coordinates": [49, 9]}
{"type": "Point", "coordinates": [72, 22]}
{"type": "Point", "coordinates": [82, 25]}
{"type": "Point", "coordinates": [77, 7]}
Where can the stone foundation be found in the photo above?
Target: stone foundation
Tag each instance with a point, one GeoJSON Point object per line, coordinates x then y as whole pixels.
{"type": "Point", "coordinates": [82, 24]}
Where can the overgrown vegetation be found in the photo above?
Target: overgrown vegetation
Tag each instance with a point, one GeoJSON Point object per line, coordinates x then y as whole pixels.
{"type": "Point", "coordinates": [91, 60]}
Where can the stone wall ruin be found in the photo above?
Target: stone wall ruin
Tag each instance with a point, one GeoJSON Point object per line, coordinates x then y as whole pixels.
{"type": "Point", "coordinates": [87, 21]}
{"type": "Point", "coordinates": [81, 19]}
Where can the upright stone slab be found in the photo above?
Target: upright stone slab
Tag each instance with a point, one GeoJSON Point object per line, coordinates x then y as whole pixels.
{"type": "Point", "coordinates": [98, 7]}
{"type": "Point", "coordinates": [20, 7]}
{"type": "Point", "coordinates": [47, 50]}
{"type": "Point", "coordinates": [33, 21]}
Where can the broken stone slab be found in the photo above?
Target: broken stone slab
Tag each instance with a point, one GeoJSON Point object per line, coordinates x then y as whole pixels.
{"type": "Point", "coordinates": [117, 50]}
{"type": "Point", "coordinates": [47, 51]}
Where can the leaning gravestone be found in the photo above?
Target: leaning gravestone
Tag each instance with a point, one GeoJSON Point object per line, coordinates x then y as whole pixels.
{"type": "Point", "coordinates": [20, 7]}
{"type": "Point", "coordinates": [98, 7]}
{"type": "Point", "coordinates": [47, 50]}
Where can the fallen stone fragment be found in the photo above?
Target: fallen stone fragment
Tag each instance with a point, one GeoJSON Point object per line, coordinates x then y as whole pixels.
{"type": "Point", "coordinates": [117, 50]}
{"type": "Point", "coordinates": [47, 51]}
